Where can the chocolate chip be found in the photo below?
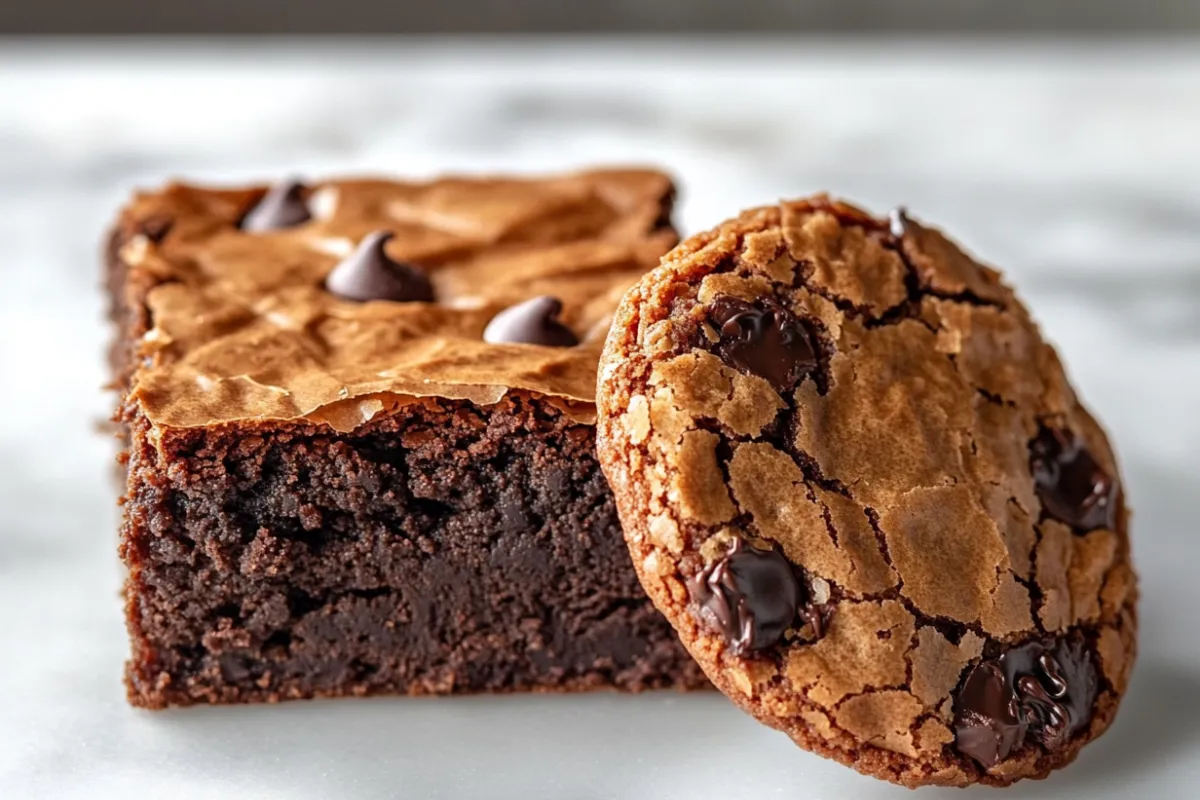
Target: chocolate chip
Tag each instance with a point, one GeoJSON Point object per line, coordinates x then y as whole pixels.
{"type": "Point", "coordinates": [1068, 674]}
{"type": "Point", "coordinates": [750, 596]}
{"type": "Point", "coordinates": [764, 339]}
{"type": "Point", "coordinates": [1070, 483]}
{"type": "Point", "coordinates": [534, 321]}
{"type": "Point", "coordinates": [369, 274]}
{"type": "Point", "coordinates": [282, 206]}
{"type": "Point", "coordinates": [1042, 689]}
{"type": "Point", "coordinates": [988, 724]}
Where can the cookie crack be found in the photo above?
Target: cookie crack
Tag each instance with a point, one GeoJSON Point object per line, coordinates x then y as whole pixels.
{"type": "Point", "coordinates": [873, 518]}
{"type": "Point", "coordinates": [744, 521]}
{"type": "Point", "coordinates": [965, 297]}
{"type": "Point", "coordinates": [808, 465]}
{"type": "Point", "coordinates": [869, 690]}
{"type": "Point", "coordinates": [906, 309]}
{"type": "Point", "coordinates": [952, 629]}
{"type": "Point", "coordinates": [1036, 599]}
{"type": "Point", "coordinates": [919, 289]}
{"type": "Point", "coordinates": [843, 304]}
{"type": "Point", "coordinates": [827, 515]}
{"type": "Point", "coordinates": [989, 396]}
{"type": "Point", "coordinates": [913, 642]}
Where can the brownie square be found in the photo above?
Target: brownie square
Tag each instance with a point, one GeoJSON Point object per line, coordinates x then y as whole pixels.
{"type": "Point", "coordinates": [346, 495]}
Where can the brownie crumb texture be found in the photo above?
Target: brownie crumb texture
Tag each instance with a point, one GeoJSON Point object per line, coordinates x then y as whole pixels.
{"type": "Point", "coordinates": [856, 480]}
{"type": "Point", "coordinates": [444, 550]}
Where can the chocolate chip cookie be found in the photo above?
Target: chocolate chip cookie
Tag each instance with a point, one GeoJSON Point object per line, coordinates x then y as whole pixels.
{"type": "Point", "coordinates": [858, 483]}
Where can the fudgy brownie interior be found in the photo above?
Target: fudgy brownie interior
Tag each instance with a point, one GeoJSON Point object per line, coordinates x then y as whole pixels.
{"type": "Point", "coordinates": [447, 550]}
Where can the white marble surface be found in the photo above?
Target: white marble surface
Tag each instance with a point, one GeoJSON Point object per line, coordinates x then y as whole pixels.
{"type": "Point", "coordinates": [1077, 169]}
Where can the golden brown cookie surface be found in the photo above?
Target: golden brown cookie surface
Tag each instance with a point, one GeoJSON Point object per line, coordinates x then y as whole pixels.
{"type": "Point", "coordinates": [856, 480]}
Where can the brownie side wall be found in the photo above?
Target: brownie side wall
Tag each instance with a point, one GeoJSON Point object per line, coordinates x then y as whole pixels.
{"type": "Point", "coordinates": [126, 298]}
{"type": "Point", "coordinates": [445, 548]}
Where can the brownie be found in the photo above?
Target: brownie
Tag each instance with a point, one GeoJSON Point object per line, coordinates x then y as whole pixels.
{"type": "Point", "coordinates": [361, 438]}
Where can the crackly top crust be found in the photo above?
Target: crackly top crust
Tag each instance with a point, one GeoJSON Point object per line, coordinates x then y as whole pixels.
{"type": "Point", "coordinates": [240, 327]}
{"type": "Point", "coordinates": [896, 477]}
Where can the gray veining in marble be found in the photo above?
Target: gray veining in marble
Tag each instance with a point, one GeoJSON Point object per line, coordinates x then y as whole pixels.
{"type": "Point", "coordinates": [1075, 168]}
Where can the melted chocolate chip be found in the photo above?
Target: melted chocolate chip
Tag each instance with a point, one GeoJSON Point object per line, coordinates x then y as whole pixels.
{"type": "Point", "coordinates": [282, 206]}
{"type": "Point", "coordinates": [534, 321]}
{"type": "Point", "coordinates": [369, 274]}
{"type": "Point", "coordinates": [765, 339]}
{"type": "Point", "coordinates": [752, 597]}
{"type": "Point", "coordinates": [988, 724]}
{"type": "Point", "coordinates": [1040, 689]}
{"type": "Point", "coordinates": [1072, 486]}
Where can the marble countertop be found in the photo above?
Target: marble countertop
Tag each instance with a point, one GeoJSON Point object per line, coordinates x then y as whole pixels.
{"type": "Point", "coordinates": [1076, 168]}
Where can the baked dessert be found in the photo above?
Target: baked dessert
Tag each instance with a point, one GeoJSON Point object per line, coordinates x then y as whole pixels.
{"type": "Point", "coordinates": [360, 429]}
{"type": "Point", "coordinates": [857, 482]}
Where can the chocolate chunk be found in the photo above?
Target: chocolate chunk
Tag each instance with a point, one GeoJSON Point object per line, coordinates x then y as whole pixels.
{"type": "Point", "coordinates": [1040, 689]}
{"type": "Point", "coordinates": [369, 274]}
{"type": "Point", "coordinates": [534, 321]}
{"type": "Point", "coordinates": [751, 596]}
{"type": "Point", "coordinates": [988, 724]}
{"type": "Point", "coordinates": [764, 339]}
{"type": "Point", "coordinates": [283, 206]}
{"type": "Point", "coordinates": [1071, 484]}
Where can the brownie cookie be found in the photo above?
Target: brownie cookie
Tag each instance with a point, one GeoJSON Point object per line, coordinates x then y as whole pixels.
{"type": "Point", "coordinates": [857, 482]}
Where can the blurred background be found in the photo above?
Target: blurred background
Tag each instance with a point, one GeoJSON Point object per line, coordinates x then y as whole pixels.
{"type": "Point", "coordinates": [614, 16]}
{"type": "Point", "coordinates": [1059, 140]}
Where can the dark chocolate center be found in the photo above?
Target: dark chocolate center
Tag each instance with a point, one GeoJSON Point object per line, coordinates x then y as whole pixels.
{"type": "Point", "coordinates": [1043, 689]}
{"type": "Point", "coordinates": [764, 339]}
{"type": "Point", "coordinates": [752, 597]}
{"type": "Point", "coordinates": [1072, 486]}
